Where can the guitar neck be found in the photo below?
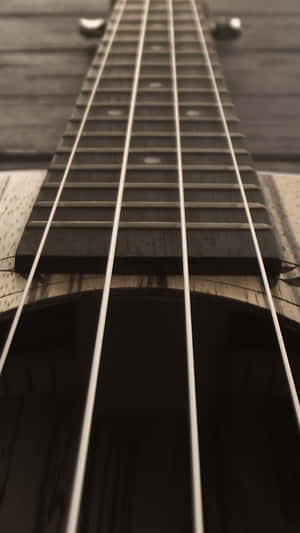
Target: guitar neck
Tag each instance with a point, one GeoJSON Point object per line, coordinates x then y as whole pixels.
{"type": "Point", "coordinates": [92, 149]}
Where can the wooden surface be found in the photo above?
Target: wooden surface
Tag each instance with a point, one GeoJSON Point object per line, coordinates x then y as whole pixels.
{"type": "Point", "coordinates": [256, 6]}
{"type": "Point", "coordinates": [43, 60]}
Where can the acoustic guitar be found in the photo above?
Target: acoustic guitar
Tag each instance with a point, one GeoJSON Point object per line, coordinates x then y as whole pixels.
{"type": "Point", "coordinates": [149, 305]}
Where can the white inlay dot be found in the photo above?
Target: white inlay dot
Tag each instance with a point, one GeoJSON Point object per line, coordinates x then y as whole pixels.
{"type": "Point", "coordinates": [193, 112]}
{"type": "Point", "coordinates": [152, 160]}
{"type": "Point", "coordinates": [155, 84]}
{"type": "Point", "coordinates": [115, 112]}
{"type": "Point", "coordinates": [156, 48]}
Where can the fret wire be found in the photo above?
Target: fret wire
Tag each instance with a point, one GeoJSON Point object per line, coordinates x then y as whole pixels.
{"type": "Point", "coordinates": [63, 224]}
{"type": "Point", "coordinates": [94, 374]}
{"type": "Point", "coordinates": [67, 168]}
{"type": "Point", "coordinates": [193, 418]}
{"type": "Point", "coordinates": [278, 333]}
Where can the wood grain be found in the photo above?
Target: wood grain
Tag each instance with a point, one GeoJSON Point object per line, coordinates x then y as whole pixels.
{"type": "Point", "coordinates": [54, 7]}
{"type": "Point", "coordinates": [43, 61]}
{"type": "Point", "coordinates": [38, 34]}
{"type": "Point", "coordinates": [255, 7]}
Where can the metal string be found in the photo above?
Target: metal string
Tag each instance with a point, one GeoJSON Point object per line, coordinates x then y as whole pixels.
{"type": "Point", "coordinates": [36, 260]}
{"type": "Point", "coordinates": [193, 417]}
{"type": "Point", "coordinates": [284, 356]}
{"type": "Point", "coordinates": [72, 522]}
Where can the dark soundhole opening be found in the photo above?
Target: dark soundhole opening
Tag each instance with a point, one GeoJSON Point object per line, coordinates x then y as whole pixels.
{"type": "Point", "coordinates": [138, 473]}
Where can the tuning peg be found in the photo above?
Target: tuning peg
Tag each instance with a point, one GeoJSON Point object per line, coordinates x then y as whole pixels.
{"type": "Point", "coordinates": [226, 29]}
{"type": "Point", "coordinates": [92, 27]}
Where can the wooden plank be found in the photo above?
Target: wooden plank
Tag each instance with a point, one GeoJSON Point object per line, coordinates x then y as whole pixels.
{"type": "Point", "coordinates": [271, 129]}
{"type": "Point", "coordinates": [39, 74]}
{"type": "Point", "coordinates": [53, 73]}
{"type": "Point", "coordinates": [255, 6]}
{"type": "Point", "coordinates": [270, 75]}
{"type": "Point", "coordinates": [36, 34]}
{"type": "Point", "coordinates": [270, 125]}
{"type": "Point", "coordinates": [23, 121]}
{"type": "Point", "coordinates": [54, 7]}
{"type": "Point", "coordinates": [276, 34]}
{"type": "Point", "coordinates": [68, 6]}
{"type": "Point", "coordinates": [256, 79]}
{"type": "Point", "coordinates": [61, 33]}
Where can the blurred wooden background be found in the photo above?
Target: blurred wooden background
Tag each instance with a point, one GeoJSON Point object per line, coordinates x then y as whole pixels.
{"type": "Point", "coordinates": [43, 60]}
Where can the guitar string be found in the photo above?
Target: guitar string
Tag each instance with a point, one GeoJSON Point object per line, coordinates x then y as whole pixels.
{"type": "Point", "coordinates": [76, 495]}
{"type": "Point", "coordinates": [38, 254]}
{"type": "Point", "coordinates": [192, 398]}
{"type": "Point", "coordinates": [281, 344]}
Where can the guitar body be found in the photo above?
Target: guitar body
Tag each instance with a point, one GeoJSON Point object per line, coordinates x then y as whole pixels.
{"type": "Point", "coordinates": [140, 425]}
{"type": "Point", "coordinates": [138, 471]}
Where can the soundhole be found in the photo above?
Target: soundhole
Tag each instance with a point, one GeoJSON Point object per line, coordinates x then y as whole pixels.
{"type": "Point", "coordinates": [138, 474]}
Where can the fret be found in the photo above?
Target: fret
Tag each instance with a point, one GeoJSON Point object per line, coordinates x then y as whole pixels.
{"type": "Point", "coordinates": [154, 151]}
{"type": "Point", "coordinates": [139, 191]}
{"type": "Point", "coordinates": [166, 121]}
{"type": "Point", "coordinates": [158, 167]}
{"type": "Point", "coordinates": [153, 104]}
{"type": "Point", "coordinates": [207, 173]}
{"type": "Point", "coordinates": [158, 31]}
{"type": "Point", "coordinates": [147, 140]}
{"type": "Point", "coordinates": [151, 123]}
{"type": "Point", "coordinates": [161, 59]}
{"type": "Point", "coordinates": [146, 96]}
{"type": "Point", "coordinates": [187, 47]}
{"type": "Point", "coordinates": [157, 40]}
{"type": "Point", "coordinates": [155, 82]}
{"type": "Point", "coordinates": [134, 18]}
{"type": "Point", "coordinates": [157, 25]}
{"type": "Point", "coordinates": [190, 108]}
{"type": "Point", "coordinates": [155, 69]}
{"type": "Point", "coordinates": [155, 12]}
{"type": "Point", "coordinates": [157, 186]}
{"type": "Point", "coordinates": [150, 215]}
{"type": "Point", "coordinates": [164, 110]}
{"type": "Point", "coordinates": [125, 61]}
{"type": "Point", "coordinates": [150, 205]}
{"type": "Point", "coordinates": [141, 156]}
{"type": "Point", "coordinates": [161, 94]}
{"type": "Point", "coordinates": [150, 225]}
{"type": "Point", "coordinates": [103, 211]}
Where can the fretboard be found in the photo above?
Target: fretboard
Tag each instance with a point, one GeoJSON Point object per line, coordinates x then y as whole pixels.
{"type": "Point", "coordinates": [149, 237]}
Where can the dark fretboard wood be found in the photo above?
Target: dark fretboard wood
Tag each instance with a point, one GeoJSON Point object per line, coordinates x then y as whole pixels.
{"type": "Point", "coordinates": [149, 240]}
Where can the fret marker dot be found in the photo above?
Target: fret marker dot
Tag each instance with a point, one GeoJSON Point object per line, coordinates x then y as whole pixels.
{"type": "Point", "coordinates": [193, 112]}
{"type": "Point", "coordinates": [156, 48]}
{"type": "Point", "coordinates": [152, 160]}
{"type": "Point", "coordinates": [115, 112]}
{"type": "Point", "coordinates": [155, 84]}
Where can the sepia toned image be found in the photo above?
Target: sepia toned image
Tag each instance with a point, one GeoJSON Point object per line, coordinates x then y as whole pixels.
{"type": "Point", "coordinates": [149, 266]}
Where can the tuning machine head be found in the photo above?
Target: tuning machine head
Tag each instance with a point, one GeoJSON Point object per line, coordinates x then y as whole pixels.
{"type": "Point", "coordinates": [92, 27]}
{"type": "Point", "coordinates": [226, 29]}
